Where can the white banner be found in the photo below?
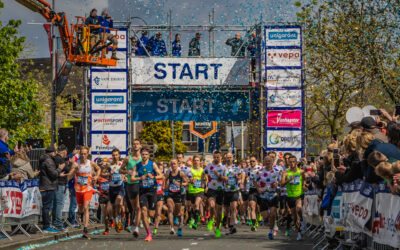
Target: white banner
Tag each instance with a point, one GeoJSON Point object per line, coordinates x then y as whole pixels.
{"type": "Point", "coordinates": [21, 199]}
{"type": "Point", "coordinates": [109, 101]}
{"type": "Point", "coordinates": [67, 199]}
{"type": "Point", "coordinates": [121, 63]}
{"type": "Point", "coordinates": [282, 37]}
{"type": "Point", "coordinates": [284, 98]}
{"type": "Point", "coordinates": [94, 202]}
{"type": "Point", "coordinates": [189, 71]}
{"type": "Point", "coordinates": [311, 204]}
{"type": "Point", "coordinates": [109, 80]}
{"type": "Point", "coordinates": [121, 36]}
{"type": "Point", "coordinates": [109, 122]}
{"type": "Point", "coordinates": [283, 57]}
{"type": "Point", "coordinates": [278, 78]}
{"type": "Point", "coordinates": [284, 139]}
{"type": "Point", "coordinates": [107, 142]}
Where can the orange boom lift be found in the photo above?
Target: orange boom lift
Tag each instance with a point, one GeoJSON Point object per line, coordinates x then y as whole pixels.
{"type": "Point", "coordinates": [76, 42]}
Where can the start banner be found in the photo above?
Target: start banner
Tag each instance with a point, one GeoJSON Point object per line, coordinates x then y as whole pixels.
{"type": "Point", "coordinates": [20, 199]}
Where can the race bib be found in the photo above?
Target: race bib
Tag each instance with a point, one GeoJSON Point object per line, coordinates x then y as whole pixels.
{"type": "Point", "coordinates": [197, 184]}
{"type": "Point", "coordinates": [296, 180]}
{"type": "Point", "coordinates": [147, 183]}
{"type": "Point", "coordinates": [105, 186]}
{"type": "Point", "coordinates": [268, 195]}
{"type": "Point", "coordinates": [83, 180]}
{"type": "Point", "coordinates": [174, 188]}
{"type": "Point", "coordinates": [116, 177]}
{"type": "Point", "coordinates": [159, 187]}
{"type": "Point", "coordinates": [231, 181]}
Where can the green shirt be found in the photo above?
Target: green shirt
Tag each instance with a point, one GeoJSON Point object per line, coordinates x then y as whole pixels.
{"type": "Point", "coordinates": [130, 166]}
{"type": "Point", "coordinates": [295, 187]}
{"type": "Point", "coordinates": [196, 187]}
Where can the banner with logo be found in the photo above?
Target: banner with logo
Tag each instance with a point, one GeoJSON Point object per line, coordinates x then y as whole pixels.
{"type": "Point", "coordinates": [109, 122]}
{"type": "Point", "coordinates": [109, 101]}
{"type": "Point", "coordinates": [281, 98]}
{"type": "Point", "coordinates": [107, 142]}
{"type": "Point", "coordinates": [21, 199]}
{"type": "Point", "coordinates": [284, 57]}
{"type": "Point", "coordinates": [107, 80]}
{"type": "Point", "coordinates": [284, 118]}
{"type": "Point", "coordinates": [281, 78]}
{"type": "Point", "coordinates": [190, 106]}
{"type": "Point", "coordinates": [386, 220]}
{"type": "Point", "coordinates": [190, 71]}
{"type": "Point", "coordinates": [283, 36]}
{"type": "Point", "coordinates": [284, 139]}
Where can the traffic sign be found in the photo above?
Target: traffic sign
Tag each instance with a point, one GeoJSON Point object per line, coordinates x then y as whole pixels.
{"type": "Point", "coordinates": [203, 129]}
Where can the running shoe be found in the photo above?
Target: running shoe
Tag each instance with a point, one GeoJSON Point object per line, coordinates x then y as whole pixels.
{"type": "Point", "coordinates": [275, 233]}
{"type": "Point", "coordinates": [217, 233]}
{"type": "Point", "coordinates": [106, 232]}
{"type": "Point", "coordinates": [233, 231]}
{"type": "Point", "coordinates": [299, 236]}
{"type": "Point", "coordinates": [287, 232]}
{"type": "Point", "coordinates": [119, 227]}
{"type": "Point", "coordinates": [191, 222]}
{"type": "Point", "coordinates": [128, 229]}
{"type": "Point", "coordinates": [155, 231]}
{"type": "Point", "coordinates": [194, 226]}
{"type": "Point", "coordinates": [202, 219]}
{"type": "Point", "coordinates": [253, 229]}
{"type": "Point", "coordinates": [179, 233]}
{"type": "Point", "coordinates": [112, 224]}
{"type": "Point", "coordinates": [172, 231]}
{"type": "Point", "coordinates": [207, 215]}
{"type": "Point", "coordinates": [176, 220]}
{"type": "Point", "coordinates": [148, 238]}
{"type": "Point", "coordinates": [85, 235]}
{"type": "Point", "coordinates": [259, 217]}
{"type": "Point", "coordinates": [261, 223]}
{"type": "Point", "coordinates": [210, 225]}
{"type": "Point", "coordinates": [62, 229]}
{"type": "Point", "coordinates": [136, 233]}
{"type": "Point", "coordinates": [270, 236]}
{"type": "Point", "coordinates": [50, 230]}
{"type": "Point", "coordinates": [228, 231]}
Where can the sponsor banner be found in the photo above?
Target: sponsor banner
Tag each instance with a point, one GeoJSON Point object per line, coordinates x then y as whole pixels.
{"type": "Point", "coordinates": [121, 36]}
{"type": "Point", "coordinates": [284, 98]}
{"type": "Point", "coordinates": [121, 63]}
{"type": "Point", "coordinates": [109, 122]}
{"type": "Point", "coordinates": [237, 131]}
{"type": "Point", "coordinates": [107, 142]}
{"type": "Point", "coordinates": [109, 80]}
{"type": "Point", "coordinates": [283, 57]}
{"type": "Point", "coordinates": [281, 78]}
{"type": "Point", "coordinates": [190, 71]}
{"type": "Point", "coordinates": [109, 101]}
{"type": "Point", "coordinates": [282, 37]}
{"type": "Point", "coordinates": [190, 106]}
{"type": "Point", "coordinates": [284, 118]}
{"type": "Point", "coordinates": [20, 199]}
{"type": "Point", "coordinates": [284, 139]}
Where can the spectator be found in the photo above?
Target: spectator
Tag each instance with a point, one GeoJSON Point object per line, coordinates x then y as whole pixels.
{"type": "Point", "coordinates": [142, 44]}
{"type": "Point", "coordinates": [134, 47]}
{"type": "Point", "coordinates": [194, 46]}
{"type": "Point", "coordinates": [60, 159]}
{"type": "Point", "coordinates": [20, 164]}
{"type": "Point", "coordinates": [393, 133]}
{"type": "Point", "coordinates": [369, 125]}
{"type": "Point", "coordinates": [5, 154]}
{"type": "Point", "coordinates": [237, 43]}
{"type": "Point", "coordinates": [48, 176]}
{"type": "Point", "coordinates": [157, 45]}
{"type": "Point", "coordinates": [176, 46]}
{"type": "Point", "coordinates": [72, 198]}
{"type": "Point", "coordinates": [94, 31]}
{"type": "Point", "coordinates": [107, 22]}
{"type": "Point", "coordinates": [252, 46]}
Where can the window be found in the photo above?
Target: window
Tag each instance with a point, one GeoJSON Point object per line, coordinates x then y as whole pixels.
{"type": "Point", "coordinates": [186, 135]}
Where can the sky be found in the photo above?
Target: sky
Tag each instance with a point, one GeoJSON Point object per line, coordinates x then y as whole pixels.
{"type": "Point", "coordinates": [184, 12]}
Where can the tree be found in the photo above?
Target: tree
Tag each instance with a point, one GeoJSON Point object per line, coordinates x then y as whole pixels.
{"type": "Point", "coordinates": [20, 112]}
{"type": "Point", "coordinates": [160, 133]}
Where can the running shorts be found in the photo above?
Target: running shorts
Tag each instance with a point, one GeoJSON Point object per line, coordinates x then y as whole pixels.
{"type": "Point", "coordinates": [147, 198]}
{"type": "Point", "coordinates": [192, 197]}
{"type": "Point", "coordinates": [217, 195]}
{"type": "Point", "coordinates": [230, 197]}
{"type": "Point", "coordinates": [133, 190]}
{"type": "Point", "coordinates": [81, 197]}
{"type": "Point", "coordinates": [265, 204]}
{"type": "Point", "coordinates": [253, 195]}
{"type": "Point", "coordinates": [291, 201]}
{"type": "Point", "coordinates": [115, 191]}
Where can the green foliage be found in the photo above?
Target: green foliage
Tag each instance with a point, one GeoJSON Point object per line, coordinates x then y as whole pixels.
{"type": "Point", "coordinates": [160, 133]}
{"type": "Point", "coordinates": [20, 112]}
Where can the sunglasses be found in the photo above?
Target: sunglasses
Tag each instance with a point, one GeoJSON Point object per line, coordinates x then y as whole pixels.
{"type": "Point", "coordinates": [252, 161]}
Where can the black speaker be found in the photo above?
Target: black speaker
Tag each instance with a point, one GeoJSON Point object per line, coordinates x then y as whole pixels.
{"type": "Point", "coordinates": [68, 137]}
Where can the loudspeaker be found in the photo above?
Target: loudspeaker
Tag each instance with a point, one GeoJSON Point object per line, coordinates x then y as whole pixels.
{"type": "Point", "coordinates": [68, 137]}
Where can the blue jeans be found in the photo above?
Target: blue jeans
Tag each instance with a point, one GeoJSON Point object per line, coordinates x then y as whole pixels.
{"type": "Point", "coordinates": [47, 201]}
{"type": "Point", "coordinates": [58, 206]}
{"type": "Point", "coordinates": [72, 206]}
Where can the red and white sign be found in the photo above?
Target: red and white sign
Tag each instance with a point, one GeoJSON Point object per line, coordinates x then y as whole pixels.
{"type": "Point", "coordinates": [283, 57]}
{"type": "Point", "coordinates": [107, 142]}
{"type": "Point", "coordinates": [284, 118]}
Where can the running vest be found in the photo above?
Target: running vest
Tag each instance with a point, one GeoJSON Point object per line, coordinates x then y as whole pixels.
{"type": "Point", "coordinates": [196, 186]}
{"type": "Point", "coordinates": [160, 184]}
{"type": "Point", "coordinates": [83, 177]}
{"type": "Point", "coordinates": [116, 177]}
{"type": "Point", "coordinates": [146, 169]}
{"type": "Point", "coordinates": [295, 187]}
{"type": "Point", "coordinates": [173, 188]}
{"type": "Point", "coordinates": [129, 167]}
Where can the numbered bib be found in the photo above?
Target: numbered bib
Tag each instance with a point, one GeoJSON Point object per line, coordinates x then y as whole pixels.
{"type": "Point", "coordinates": [231, 181]}
{"type": "Point", "coordinates": [174, 188]}
{"type": "Point", "coordinates": [296, 180]}
{"type": "Point", "coordinates": [197, 184]}
{"type": "Point", "coordinates": [105, 186]}
{"type": "Point", "coordinates": [116, 177]}
{"type": "Point", "coordinates": [147, 183]}
{"type": "Point", "coordinates": [268, 195]}
{"type": "Point", "coordinates": [83, 180]}
{"type": "Point", "coordinates": [159, 187]}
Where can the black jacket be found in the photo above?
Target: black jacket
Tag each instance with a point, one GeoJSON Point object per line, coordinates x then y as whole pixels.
{"type": "Point", "coordinates": [62, 181]}
{"type": "Point", "coordinates": [49, 173]}
{"type": "Point", "coordinates": [353, 172]}
{"type": "Point", "coordinates": [93, 21]}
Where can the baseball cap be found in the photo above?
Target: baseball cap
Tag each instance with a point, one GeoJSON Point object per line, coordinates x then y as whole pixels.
{"type": "Point", "coordinates": [50, 149]}
{"type": "Point", "coordinates": [368, 122]}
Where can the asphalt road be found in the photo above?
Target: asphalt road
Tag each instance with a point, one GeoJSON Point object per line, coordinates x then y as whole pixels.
{"type": "Point", "coordinates": [244, 239]}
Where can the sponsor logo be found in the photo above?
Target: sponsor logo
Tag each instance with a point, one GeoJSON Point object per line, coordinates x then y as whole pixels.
{"type": "Point", "coordinates": [109, 99]}
{"type": "Point", "coordinates": [105, 140]}
{"type": "Point", "coordinates": [108, 121]}
{"type": "Point", "coordinates": [292, 35]}
{"type": "Point", "coordinates": [285, 120]}
{"type": "Point", "coordinates": [275, 139]}
{"type": "Point", "coordinates": [288, 78]}
{"type": "Point", "coordinates": [283, 98]}
{"type": "Point", "coordinates": [97, 80]}
{"type": "Point", "coordinates": [285, 55]}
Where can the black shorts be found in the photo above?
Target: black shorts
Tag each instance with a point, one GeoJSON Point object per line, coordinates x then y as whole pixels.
{"type": "Point", "coordinates": [103, 200]}
{"type": "Point", "coordinates": [115, 191]}
{"type": "Point", "coordinates": [282, 201]}
{"type": "Point", "coordinates": [230, 197]}
{"type": "Point", "coordinates": [176, 197]}
{"type": "Point", "coordinates": [291, 201]}
{"type": "Point", "coordinates": [160, 197]}
{"type": "Point", "coordinates": [192, 197]}
{"type": "Point", "coordinates": [265, 204]}
{"type": "Point", "coordinates": [253, 195]}
{"type": "Point", "coordinates": [217, 195]}
{"type": "Point", "coordinates": [245, 195]}
{"type": "Point", "coordinates": [147, 198]}
{"type": "Point", "coordinates": [132, 190]}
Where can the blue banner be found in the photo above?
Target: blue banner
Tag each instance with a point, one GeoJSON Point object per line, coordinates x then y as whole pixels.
{"type": "Point", "coordinates": [190, 106]}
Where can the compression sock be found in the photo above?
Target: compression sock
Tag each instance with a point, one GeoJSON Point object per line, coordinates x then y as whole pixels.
{"type": "Point", "coordinates": [197, 215]}
{"type": "Point", "coordinates": [253, 222]}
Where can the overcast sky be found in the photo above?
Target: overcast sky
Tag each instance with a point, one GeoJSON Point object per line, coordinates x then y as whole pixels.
{"type": "Point", "coordinates": [194, 12]}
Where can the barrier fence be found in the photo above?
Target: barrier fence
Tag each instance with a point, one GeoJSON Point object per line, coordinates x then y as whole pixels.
{"type": "Point", "coordinates": [361, 215]}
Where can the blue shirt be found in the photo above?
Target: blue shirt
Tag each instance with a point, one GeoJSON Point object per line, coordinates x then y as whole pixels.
{"type": "Point", "coordinates": [176, 48]}
{"type": "Point", "coordinates": [4, 149]}
{"type": "Point", "coordinates": [105, 23]}
{"type": "Point", "coordinates": [141, 44]}
{"type": "Point", "coordinates": [143, 170]}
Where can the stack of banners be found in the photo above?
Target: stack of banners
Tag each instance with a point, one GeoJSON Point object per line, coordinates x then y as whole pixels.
{"type": "Point", "coordinates": [386, 220]}
{"type": "Point", "coordinates": [109, 102]}
{"type": "Point", "coordinates": [20, 199]}
{"type": "Point", "coordinates": [311, 206]}
{"type": "Point", "coordinates": [284, 89]}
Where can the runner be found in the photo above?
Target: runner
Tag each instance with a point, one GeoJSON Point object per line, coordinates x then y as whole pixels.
{"type": "Point", "coordinates": [86, 173]}
{"type": "Point", "coordinates": [234, 178]}
{"type": "Point", "coordinates": [251, 173]}
{"type": "Point", "coordinates": [293, 180]}
{"type": "Point", "coordinates": [117, 190]}
{"type": "Point", "coordinates": [196, 191]}
{"type": "Point", "coordinates": [187, 170]}
{"type": "Point", "coordinates": [244, 193]}
{"type": "Point", "coordinates": [160, 198]}
{"type": "Point", "coordinates": [215, 191]}
{"type": "Point", "coordinates": [132, 187]}
{"type": "Point", "coordinates": [174, 183]}
{"type": "Point", "coordinates": [104, 201]}
{"type": "Point", "coordinates": [146, 173]}
{"type": "Point", "coordinates": [266, 181]}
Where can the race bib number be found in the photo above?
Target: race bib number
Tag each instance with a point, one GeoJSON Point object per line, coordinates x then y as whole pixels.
{"type": "Point", "coordinates": [116, 177]}
{"type": "Point", "coordinates": [105, 186]}
{"type": "Point", "coordinates": [174, 188]}
{"type": "Point", "coordinates": [197, 184]}
{"type": "Point", "coordinates": [147, 183]}
{"type": "Point", "coordinates": [159, 187]}
{"type": "Point", "coordinates": [231, 181]}
{"type": "Point", "coordinates": [268, 195]}
{"type": "Point", "coordinates": [248, 186]}
{"type": "Point", "coordinates": [296, 180]}
{"type": "Point", "coordinates": [83, 180]}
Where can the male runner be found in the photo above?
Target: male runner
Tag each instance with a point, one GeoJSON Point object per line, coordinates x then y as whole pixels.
{"type": "Point", "coordinates": [160, 198]}
{"type": "Point", "coordinates": [86, 173]}
{"type": "Point", "coordinates": [233, 178]}
{"type": "Point", "coordinates": [105, 204]}
{"type": "Point", "coordinates": [293, 180]}
{"type": "Point", "coordinates": [253, 193]}
{"type": "Point", "coordinates": [266, 182]}
{"type": "Point", "coordinates": [196, 191]}
{"type": "Point", "coordinates": [132, 187]}
{"type": "Point", "coordinates": [215, 173]}
{"type": "Point", "coordinates": [244, 193]}
{"type": "Point", "coordinates": [146, 172]}
{"type": "Point", "coordinates": [187, 171]}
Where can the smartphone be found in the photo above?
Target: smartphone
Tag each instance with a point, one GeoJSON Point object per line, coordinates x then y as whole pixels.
{"type": "Point", "coordinates": [336, 157]}
{"type": "Point", "coordinates": [375, 112]}
{"type": "Point", "coordinates": [312, 159]}
{"type": "Point", "coordinates": [397, 110]}
{"type": "Point", "coordinates": [334, 137]}
{"type": "Point", "coordinates": [19, 144]}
